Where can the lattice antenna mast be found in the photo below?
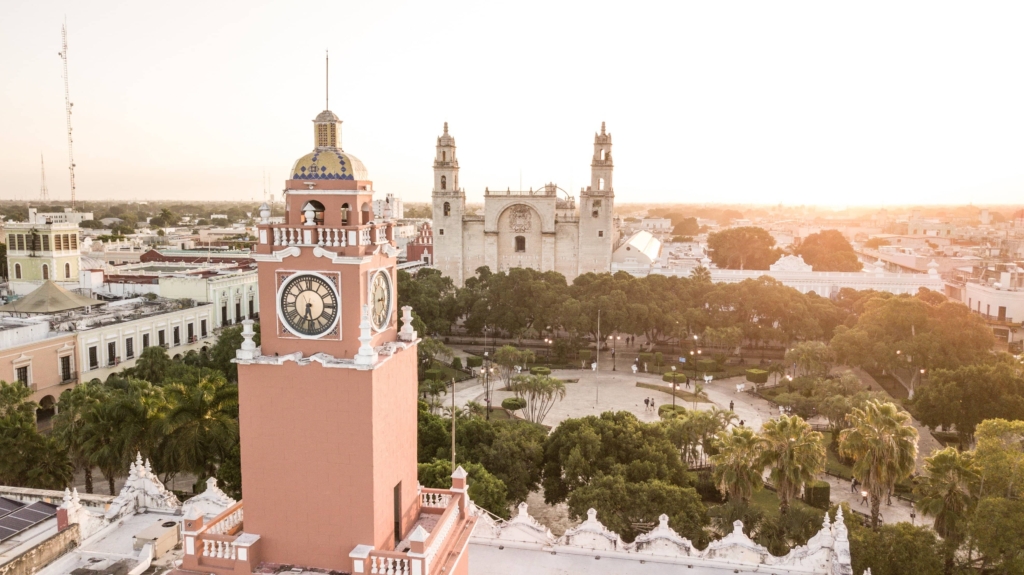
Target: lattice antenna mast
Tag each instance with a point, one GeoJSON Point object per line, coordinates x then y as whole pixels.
{"type": "Point", "coordinates": [67, 107]}
{"type": "Point", "coordinates": [44, 194]}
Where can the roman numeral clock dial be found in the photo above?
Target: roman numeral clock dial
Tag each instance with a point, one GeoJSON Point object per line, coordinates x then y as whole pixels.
{"type": "Point", "coordinates": [309, 305]}
{"type": "Point", "coordinates": [380, 300]}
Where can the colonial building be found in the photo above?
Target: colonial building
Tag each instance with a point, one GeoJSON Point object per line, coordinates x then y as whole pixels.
{"type": "Point", "coordinates": [39, 251]}
{"type": "Point", "coordinates": [540, 229]}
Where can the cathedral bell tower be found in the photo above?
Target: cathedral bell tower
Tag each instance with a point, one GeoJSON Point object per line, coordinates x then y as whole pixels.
{"type": "Point", "coordinates": [449, 203]}
{"type": "Point", "coordinates": [598, 233]}
{"type": "Point", "coordinates": [328, 400]}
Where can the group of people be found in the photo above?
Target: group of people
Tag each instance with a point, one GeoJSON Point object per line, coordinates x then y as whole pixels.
{"type": "Point", "coordinates": [648, 404]}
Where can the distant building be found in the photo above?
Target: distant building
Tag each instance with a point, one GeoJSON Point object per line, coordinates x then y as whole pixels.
{"type": "Point", "coordinates": [37, 252]}
{"type": "Point", "coordinates": [389, 208]}
{"type": "Point", "coordinates": [68, 216]}
{"type": "Point", "coordinates": [422, 248]}
{"type": "Point", "coordinates": [538, 229]}
{"type": "Point", "coordinates": [656, 224]}
{"type": "Point", "coordinates": [641, 251]}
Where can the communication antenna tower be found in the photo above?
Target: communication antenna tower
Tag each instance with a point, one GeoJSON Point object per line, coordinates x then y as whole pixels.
{"type": "Point", "coordinates": [67, 107]}
{"type": "Point", "coordinates": [44, 194]}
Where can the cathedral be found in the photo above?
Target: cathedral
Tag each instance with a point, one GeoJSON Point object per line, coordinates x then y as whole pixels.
{"type": "Point", "coordinates": [541, 229]}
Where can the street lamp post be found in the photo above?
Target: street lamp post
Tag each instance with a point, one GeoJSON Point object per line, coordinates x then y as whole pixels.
{"type": "Point", "coordinates": [673, 389]}
{"type": "Point", "coordinates": [693, 358]}
{"type": "Point", "coordinates": [614, 339]}
{"type": "Point", "coordinates": [485, 371]}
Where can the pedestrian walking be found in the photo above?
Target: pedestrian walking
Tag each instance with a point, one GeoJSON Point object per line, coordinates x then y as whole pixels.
{"type": "Point", "coordinates": [731, 406]}
{"type": "Point", "coordinates": [634, 369]}
{"type": "Point", "coordinates": [864, 497]}
{"type": "Point", "coordinates": [652, 404]}
{"type": "Point", "coordinates": [647, 404]}
{"type": "Point", "coordinates": [853, 485]}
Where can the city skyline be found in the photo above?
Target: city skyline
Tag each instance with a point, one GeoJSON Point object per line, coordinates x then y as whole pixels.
{"type": "Point", "coordinates": [798, 104]}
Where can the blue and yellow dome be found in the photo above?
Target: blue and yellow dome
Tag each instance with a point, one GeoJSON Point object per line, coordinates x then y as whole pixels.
{"type": "Point", "coordinates": [329, 164]}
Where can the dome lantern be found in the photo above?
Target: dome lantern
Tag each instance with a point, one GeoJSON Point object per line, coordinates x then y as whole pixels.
{"type": "Point", "coordinates": [326, 130]}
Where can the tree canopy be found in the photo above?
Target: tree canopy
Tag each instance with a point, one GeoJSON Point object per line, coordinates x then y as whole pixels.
{"type": "Point", "coordinates": [745, 248]}
{"type": "Point", "coordinates": [829, 251]}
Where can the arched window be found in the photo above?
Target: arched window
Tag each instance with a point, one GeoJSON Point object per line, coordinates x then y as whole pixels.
{"type": "Point", "coordinates": [600, 183]}
{"type": "Point", "coordinates": [17, 271]}
{"type": "Point", "coordinates": [520, 244]}
{"type": "Point", "coordinates": [318, 212]}
{"type": "Point", "coordinates": [67, 271]}
{"type": "Point", "coordinates": [444, 183]}
{"type": "Point", "coordinates": [46, 272]}
{"type": "Point", "coordinates": [603, 154]}
{"type": "Point", "coordinates": [444, 156]}
{"type": "Point", "coordinates": [367, 214]}
{"type": "Point", "coordinates": [345, 209]}
{"type": "Point", "coordinates": [447, 209]}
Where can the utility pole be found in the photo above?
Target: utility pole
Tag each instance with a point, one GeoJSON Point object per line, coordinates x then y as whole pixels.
{"type": "Point", "coordinates": [44, 194]}
{"type": "Point", "coordinates": [453, 425]}
{"type": "Point", "coordinates": [67, 108]}
{"type": "Point", "coordinates": [597, 362]}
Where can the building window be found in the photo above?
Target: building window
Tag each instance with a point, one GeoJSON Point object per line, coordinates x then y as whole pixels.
{"type": "Point", "coordinates": [46, 272]}
{"type": "Point", "coordinates": [22, 373]}
{"type": "Point", "coordinates": [161, 338]}
{"type": "Point", "coordinates": [447, 209]}
{"type": "Point", "coordinates": [224, 315]}
{"type": "Point", "coordinates": [600, 233]}
{"type": "Point", "coordinates": [444, 184]}
{"type": "Point", "coordinates": [67, 271]}
{"type": "Point", "coordinates": [440, 232]}
{"type": "Point", "coordinates": [112, 353]}
{"type": "Point", "coordinates": [191, 332]}
{"type": "Point", "coordinates": [129, 348]}
{"type": "Point", "coordinates": [65, 369]}
{"type": "Point", "coordinates": [344, 214]}
{"type": "Point", "coordinates": [94, 357]}
{"type": "Point", "coordinates": [238, 311]}
{"type": "Point", "coordinates": [46, 243]}
{"type": "Point", "coordinates": [444, 156]}
{"type": "Point", "coordinates": [520, 244]}
{"type": "Point", "coordinates": [74, 241]}
{"type": "Point", "coordinates": [17, 271]}
{"type": "Point", "coordinates": [600, 183]}
{"type": "Point", "coordinates": [252, 309]}
{"type": "Point", "coordinates": [145, 341]}
{"type": "Point", "coordinates": [177, 335]}
{"type": "Point", "coordinates": [202, 328]}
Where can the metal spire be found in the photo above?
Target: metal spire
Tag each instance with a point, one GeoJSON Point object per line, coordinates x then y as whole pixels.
{"type": "Point", "coordinates": [44, 194]}
{"type": "Point", "coordinates": [327, 80]}
{"type": "Point", "coordinates": [67, 107]}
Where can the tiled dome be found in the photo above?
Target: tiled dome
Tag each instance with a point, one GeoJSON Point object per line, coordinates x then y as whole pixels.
{"type": "Point", "coordinates": [329, 164]}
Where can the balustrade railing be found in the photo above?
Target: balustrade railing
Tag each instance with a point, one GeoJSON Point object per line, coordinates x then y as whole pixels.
{"type": "Point", "coordinates": [435, 498]}
{"type": "Point", "coordinates": [391, 563]}
{"type": "Point", "coordinates": [228, 522]}
{"type": "Point", "coordinates": [288, 235]}
{"type": "Point", "coordinates": [440, 533]}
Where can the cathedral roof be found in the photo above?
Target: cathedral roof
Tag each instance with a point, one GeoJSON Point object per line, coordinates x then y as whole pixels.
{"type": "Point", "coordinates": [329, 164]}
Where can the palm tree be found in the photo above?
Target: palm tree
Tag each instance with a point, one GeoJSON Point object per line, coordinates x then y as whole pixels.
{"type": "Point", "coordinates": [434, 389]}
{"type": "Point", "coordinates": [701, 275]}
{"type": "Point", "coordinates": [70, 420]}
{"type": "Point", "coordinates": [102, 440]}
{"type": "Point", "coordinates": [795, 454]}
{"type": "Point", "coordinates": [776, 369]}
{"type": "Point", "coordinates": [737, 472]}
{"type": "Point", "coordinates": [949, 494]}
{"type": "Point", "coordinates": [539, 393]}
{"type": "Point", "coordinates": [475, 409]}
{"type": "Point", "coordinates": [51, 466]}
{"type": "Point", "coordinates": [883, 445]}
{"type": "Point", "coordinates": [200, 425]}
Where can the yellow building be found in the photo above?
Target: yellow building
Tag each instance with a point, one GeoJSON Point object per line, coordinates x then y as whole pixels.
{"type": "Point", "coordinates": [37, 252]}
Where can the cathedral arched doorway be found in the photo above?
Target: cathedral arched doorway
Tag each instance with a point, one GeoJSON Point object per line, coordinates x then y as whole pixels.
{"type": "Point", "coordinates": [520, 236]}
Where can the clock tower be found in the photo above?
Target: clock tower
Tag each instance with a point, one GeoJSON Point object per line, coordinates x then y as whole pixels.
{"type": "Point", "coordinates": [328, 401]}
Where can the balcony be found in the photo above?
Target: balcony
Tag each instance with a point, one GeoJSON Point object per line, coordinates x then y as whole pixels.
{"type": "Point", "coordinates": [436, 542]}
{"type": "Point", "coordinates": [346, 240]}
{"type": "Point", "coordinates": [219, 546]}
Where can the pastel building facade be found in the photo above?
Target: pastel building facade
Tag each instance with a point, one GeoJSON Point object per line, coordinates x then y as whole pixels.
{"type": "Point", "coordinates": [37, 252]}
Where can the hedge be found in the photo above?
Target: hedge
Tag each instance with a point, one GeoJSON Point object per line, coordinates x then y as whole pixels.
{"type": "Point", "coordinates": [456, 363]}
{"type": "Point", "coordinates": [585, 354]}
{"type": "Point", "coordinates": [755, 375]}
{"type": "Point", "coordinates": [817, 493]}
{"type": "Point", "coordinates": [647, 361]}
{"type": "Point", "coordinates": [540, 370]}
{"type": "Point", "coordinates": [513, 403]}
{"type": "Point", "coordinates": [433, 373]}
{"type": "Point", "coordinates": [707, 365]}
{"type": "Point", "coordinates": [659, 359]}
{"type": "Point", "coordinates": [474, 361]}
{"type": "Point", "coordinates": [666, 409]}
{"type": "Point", "coordinates": [667, 377]}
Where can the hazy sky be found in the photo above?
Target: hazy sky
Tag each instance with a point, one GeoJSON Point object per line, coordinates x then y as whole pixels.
{"type": "Point", "coordinates": [793, 102]}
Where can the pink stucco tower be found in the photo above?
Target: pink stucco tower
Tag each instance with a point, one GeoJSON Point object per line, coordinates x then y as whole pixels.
{"type": "Point", "coordinates": [327, 402]}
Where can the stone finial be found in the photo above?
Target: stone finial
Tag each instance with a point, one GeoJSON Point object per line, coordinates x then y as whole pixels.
{"type": "Point", "coordinates": [366, 356]}
{"type": "Point", "coordinates": [248, 350]}
{"type": "Point", "coordinates": [264, 213]}
{"type": "Point", "coordinates": [459, 479]}
{"type": "Point", "coordinates": [149, 468]}
{"type": "Point", "coordinates": [446, 128]}
{"type": "Point", "coordinates": [67, 496]}
{"type": "Point", "coordinates": [591, 515]}
{"type": "Point", "coordinates": [602, 128]}
{"type": "Point", "coordinates": [418, 535]}
{"type": "Point", "coordinates": [523, 510]}
{"type": "Point", "coordinates": [826, 523]}
{"type": "Point", "coordinates": [663, 521]}
{"type": "Point", "coordinates": [407, 333]}
{"type": "Point", "coordinates": [737, 527]}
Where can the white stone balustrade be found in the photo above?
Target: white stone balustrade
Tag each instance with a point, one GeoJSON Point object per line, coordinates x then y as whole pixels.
{"type": "Point", "coordinates": [382, 234]}
{"type": "Point", "coordinates": [437, 500]}
{"type": "Point", "coordinates": [224, 526]}
{"type": "Point", "coordinates": [332, 237]}
{"type": "Point", "coordinates": [387, 565]}
{"type": "Point", "coordinates": [220, 549]}
{"type": "Point", "coordinates": [364, 237]}
{"type": "Point", "coordinates": [440, 533]}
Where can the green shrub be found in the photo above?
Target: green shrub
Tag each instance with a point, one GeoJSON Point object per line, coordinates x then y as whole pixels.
{"type": "Point", "coordinates": [666, 410]}
{"type": "Point", "coordinates": [433, 373]}
{"type": "Point", "coordinates": [659, 359]}
{"type": "Point", "coordinates": [540, 370]}
{"type": "Point", "coordinates": [757, 375]}
{"type": "Point", "coordinates": [667, 377]}
{"type": "Point", "coordinates": [513, 403]}
{"type": "Point", "coordinates": [647, 361]}
{"type": "Point", "coordinates": [585, 354]}
{"type": "Point", "coordinates": [707, 365]}
{"type": "Point", "coordinates": [457, 363]}
{"type": "Point", "coordinates": [817, 493]}
{"type": "Point", "coordinates": [474, 361]}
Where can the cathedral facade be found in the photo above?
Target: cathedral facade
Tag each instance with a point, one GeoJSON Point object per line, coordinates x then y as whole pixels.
{"type": "Point", "coordinates": [542, 229]}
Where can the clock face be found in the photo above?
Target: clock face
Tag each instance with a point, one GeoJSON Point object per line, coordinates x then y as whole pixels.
{"type": "Point", "coordinates": [380, 300]}
{"type": "Point", "coordinates": [309, 305]}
